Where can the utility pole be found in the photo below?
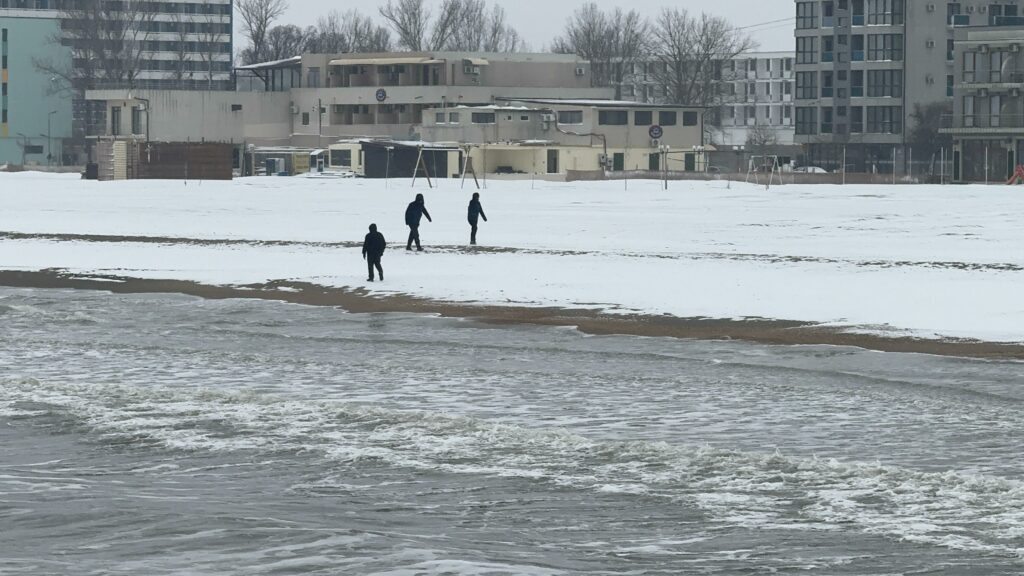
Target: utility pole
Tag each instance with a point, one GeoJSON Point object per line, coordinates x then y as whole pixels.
{"type": "Point", "coordinates": [49, 139]}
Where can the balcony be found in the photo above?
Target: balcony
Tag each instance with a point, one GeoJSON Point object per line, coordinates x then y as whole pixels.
{"type": "Point", "coordinates": [959, 20]}
{"type": "Point", "coordinates": [982, 124]}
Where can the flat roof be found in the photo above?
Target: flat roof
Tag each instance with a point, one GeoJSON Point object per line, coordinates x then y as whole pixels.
{"type": "Point", "coordinates": [593, 103]}
{"type": "Point", "coordinates": [272, 64]}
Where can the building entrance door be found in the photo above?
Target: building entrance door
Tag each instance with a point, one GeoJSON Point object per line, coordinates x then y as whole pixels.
{"type": "Point", "coordinates": [654, 162]}
{"type": "Point", "coordinates": [552, 161]}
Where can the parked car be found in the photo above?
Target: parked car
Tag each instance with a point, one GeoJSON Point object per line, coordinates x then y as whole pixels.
{"type": "Point", "coordinates": [810, 170]}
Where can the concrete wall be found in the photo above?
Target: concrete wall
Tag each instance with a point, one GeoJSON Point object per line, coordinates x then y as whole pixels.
{"type": "Point", "coordinates": [31, 95]}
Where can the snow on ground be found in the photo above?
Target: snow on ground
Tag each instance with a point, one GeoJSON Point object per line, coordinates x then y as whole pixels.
{"type": "Point", "coordinates": [935, 261]}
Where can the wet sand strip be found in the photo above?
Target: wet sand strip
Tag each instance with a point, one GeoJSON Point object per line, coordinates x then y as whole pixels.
{"type": "Point", "coordinates": [590, 321]}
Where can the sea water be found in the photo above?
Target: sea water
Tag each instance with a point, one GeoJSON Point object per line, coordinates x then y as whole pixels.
{"type": "Point", "coordinates": [163, 434]}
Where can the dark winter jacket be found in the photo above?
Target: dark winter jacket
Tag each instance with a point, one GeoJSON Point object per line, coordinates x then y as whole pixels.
{"type": "Point", "coordinates": [476, 211]}
{"type": "Point", "coordinates": [415, 211]}
{"type": "Point", "coordinates": [374, 245]}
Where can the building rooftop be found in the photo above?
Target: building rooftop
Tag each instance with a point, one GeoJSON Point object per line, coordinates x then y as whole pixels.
{"type": "Point", "coordinates": [592, 103]}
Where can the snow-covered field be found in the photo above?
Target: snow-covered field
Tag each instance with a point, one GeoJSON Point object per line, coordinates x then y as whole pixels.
{"type": "Point", "coordinates": [925, 260]}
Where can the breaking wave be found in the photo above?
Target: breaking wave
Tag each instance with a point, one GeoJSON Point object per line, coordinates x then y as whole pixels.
{"type": "Point", "coordinates": [953, 509]}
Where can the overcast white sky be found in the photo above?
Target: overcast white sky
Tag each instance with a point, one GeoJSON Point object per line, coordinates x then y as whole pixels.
{"type": "Point", "coordinates": [539, 20]}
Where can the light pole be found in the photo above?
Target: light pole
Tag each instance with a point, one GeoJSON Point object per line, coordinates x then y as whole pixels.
{"type": "Point", "coordinates": [49, 139]}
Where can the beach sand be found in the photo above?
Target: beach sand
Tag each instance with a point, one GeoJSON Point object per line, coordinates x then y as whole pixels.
{"type": "Point", "coordinates": [590, 321]}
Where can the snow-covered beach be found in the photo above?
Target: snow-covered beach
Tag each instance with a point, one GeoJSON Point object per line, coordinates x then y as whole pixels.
{"type": "Point", "coordinates": [934, 262]}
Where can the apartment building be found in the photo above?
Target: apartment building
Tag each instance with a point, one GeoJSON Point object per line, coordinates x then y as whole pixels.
{"type": "Point", "coordinates": [34, 117]}
{"type": "Point", "coordinates": [987, 123]}
{"type": "Point", "coordinates": [758, 89]}
{"type": "Point", "coordinates": [862, 65]}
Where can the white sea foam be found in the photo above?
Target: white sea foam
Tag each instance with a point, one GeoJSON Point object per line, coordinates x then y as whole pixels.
{"type": "Point", "coordinates": [952, 509]}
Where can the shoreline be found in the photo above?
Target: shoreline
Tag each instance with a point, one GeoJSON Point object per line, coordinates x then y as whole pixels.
{"type": "Point", "coordinates": [589, 321]}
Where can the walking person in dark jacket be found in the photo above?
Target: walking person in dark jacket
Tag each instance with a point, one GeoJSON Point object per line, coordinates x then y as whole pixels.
{"type": "Point", "coordinates": [413, 213]}
{"type": "Point", "coordinates": [373, 250]}
{"type": "Point", "coordinates": [476, 211]}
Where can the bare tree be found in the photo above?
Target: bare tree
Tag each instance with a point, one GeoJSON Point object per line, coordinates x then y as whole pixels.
{"type": "Point", "coordinates": [760, 139]}
{"type": "Point", "coordinates": [613, 42]}
{"type": "Point", "coordinates": [257, 17]}
{"type": "Point", "coordinates": [337, 33]}
{"type": "Point", "coordinates": [108, 43]}
{"type": "Point", "coordinates": [481, 30]}
{"type": "Point", "coordinates": [181, 66]}
{"type": "Point", "coordinates": [211, 41]}
{"type": "Point", "coordinates": [419, 29]}
{"type": "Point", "coordinates": [285, 41]}
{"type": "Point", "coordinates": [409, 21]}
{"type": "Point", "coordinates": [690, 53]}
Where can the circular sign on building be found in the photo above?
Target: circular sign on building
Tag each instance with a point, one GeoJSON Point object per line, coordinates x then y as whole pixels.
{"type": "Point", "coordinates": [382, 95]}
{"type": "Point", "coordinates": [656, 132]}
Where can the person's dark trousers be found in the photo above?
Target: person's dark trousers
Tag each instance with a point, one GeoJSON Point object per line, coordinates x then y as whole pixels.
{"type": "Point", "coordinates": [414, 235]}
{"type": "Point", "coordinates": [371, 262]}
{"type": "Point", "coordinates": [472, 232]}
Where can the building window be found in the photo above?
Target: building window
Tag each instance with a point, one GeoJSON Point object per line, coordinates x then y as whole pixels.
{"type": "Point", "coordinates": [826, 120]}
{"type": "Point", "coordinates": [643, 118]}
{"type": "Point", "coordinates": [882, 47]}
{"type": "Point", "coordinates": [115, 121]}
{"type": "Point", "coordinates": [885, 120]}
{"type": "Point", "coordinates": [613, 117]}
{"type": "Point", "coordinates": [856, 120]}
{"type": "Point", "coordinates": [453, 117]}
{"type": "Point", "coordinates": [341, 158]}
{"type": "Point", "coordinates": [885, 12]}
{"type": "Point", "coordinates": [827, 84]}
{"type": "Point", "coordinates": [666, 118]}
{"type": "Point", "coordinates": [806, 121]}
{"type": "Point", "coordinates": [806, 85]}
{"type": "Point", "coordinates": [969, 112]}
{"type": "Point", "coordinates": [995, 67]}
{"type": "Point", "coordinates": [885, 83]}
{"type": "Point", "coordinates": [305, 118]}
{"type": "Point", "coordinates": [136, 120]}
{"type": "Point", "coordinates": [483, 118]}
{"type": "Point", "coordinates": [689, 118]}
{"type": "Point", "coordinates": [806, 15]}
{"type": "Point", "coordinates": [807, 50]}
{"type": "Point", "coordinates": [439, 118]}
{"type": "Point", "coordinates": [828, 48]}
{"type": "Point", "coordinates": [970, 65]}
{"type": "Point", "coordinates": [570, 117]}
{"type": "Point", "coordinates": [313, 78]}
{"type": "Point", "coordinates": [995, 106]}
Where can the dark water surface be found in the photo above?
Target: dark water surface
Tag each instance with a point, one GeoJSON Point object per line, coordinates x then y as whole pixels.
{"type": "Point", "coordinates": [162, 434]}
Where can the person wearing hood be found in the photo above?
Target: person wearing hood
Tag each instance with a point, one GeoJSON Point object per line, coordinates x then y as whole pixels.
{"type": "Point", "coordinates": [476, 211]}
{"type": "Point", "coordinates": [416, 210]}
{"type": "Point", "coordinates": [373, 250]}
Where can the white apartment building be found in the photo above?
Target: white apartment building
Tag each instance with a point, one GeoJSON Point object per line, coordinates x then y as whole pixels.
{"type": "Point", "coordinates": [757, 89]}
{"type": "Point", "coordinates": [759, 92]}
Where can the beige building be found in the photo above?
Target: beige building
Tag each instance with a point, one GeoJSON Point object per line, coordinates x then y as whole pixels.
{"type": "Point", "coordinates": [384, 95]}
{"type": "Point", "coordinates": [546, 136]}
